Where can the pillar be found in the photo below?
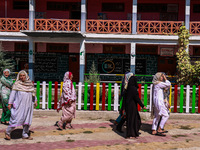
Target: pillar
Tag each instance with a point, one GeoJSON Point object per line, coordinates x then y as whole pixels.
{"type": "Point", "coordinates": [31, 59]}
{"type": "Point", "coordinates": [82, 61]}
{"type": "Point", "coordinates": [134, 17]}
{"type": "Point", "coordinates": [187, 18]}
{"type": "Point", "coordinates": [83, 15]}
{"type": "Point", "coordinates": [132, 57]}
{"type": "Point", "coordinates": [31, 14]}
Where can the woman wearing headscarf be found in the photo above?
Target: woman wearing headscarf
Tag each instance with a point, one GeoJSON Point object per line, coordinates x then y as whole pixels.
{"type": "Point", "coordinates": [67, 101]}
{"type": "Point", "coordinates": [131, 101]}
{"type": "Point", "coordinates": [21, 102]}
{"type": "Point", "coordinates": [160, 82]}
{"type": "Point", "coordinates": [5, 88]}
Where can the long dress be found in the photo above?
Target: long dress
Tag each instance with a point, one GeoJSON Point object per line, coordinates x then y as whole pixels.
{"type": "Point", "coordinates": [5, 88]}
{"type": "Point", "coordinates": [22, 110]}
{"type": "Point", "coordinates": [131, 101]}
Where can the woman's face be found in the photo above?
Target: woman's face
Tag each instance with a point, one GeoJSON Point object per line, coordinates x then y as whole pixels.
{"type": "Point", "coordinates": [161, 78]}
{"type": "Point", "coordinates": [71, 77]}
{"type": "Point", "coordinates": [6, 74]}
{"type": "Point", "coordinates": [22, 77]}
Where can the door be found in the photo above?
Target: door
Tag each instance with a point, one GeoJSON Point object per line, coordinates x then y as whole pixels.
{"type": "Point", "coordinates": [167, 65]}
{"type": "Point", "coordinates": [74, 66]}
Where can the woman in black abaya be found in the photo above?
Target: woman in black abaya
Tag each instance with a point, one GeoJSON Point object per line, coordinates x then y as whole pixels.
{"type": "Point", "coordinates": [132, 115]}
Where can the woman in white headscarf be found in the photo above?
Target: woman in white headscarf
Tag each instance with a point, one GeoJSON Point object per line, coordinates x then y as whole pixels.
{"type": "Point", "coordinates": [21, 102]}
{"type": "Point", "coordinates": [5, 88]}
{"type": "Point", "coordinates": [160, 82]}
{"type": "Point", "coordinates": [67, 102]}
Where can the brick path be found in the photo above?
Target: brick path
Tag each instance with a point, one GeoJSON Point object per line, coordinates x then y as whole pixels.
{"type": "Point", "coordinates": [91, 133]}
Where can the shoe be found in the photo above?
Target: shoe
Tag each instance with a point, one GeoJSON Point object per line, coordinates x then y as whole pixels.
{"type": "Point", "coordinates": [27, 138]}
{"type": "Point", "coordinates": [2, 122]}
{"type": "Point", "coordinates": [7, 137]}
{"type": "Point", "coordinates": [164, 131]}
{"type": "Point", "coordinates": [119, 130]}
{"type": "Point", "coordinates": [6, 123]}
{"type": "Point", "coordinates": [160, 134]}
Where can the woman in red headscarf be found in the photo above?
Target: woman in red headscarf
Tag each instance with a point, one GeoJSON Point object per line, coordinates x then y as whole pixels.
{"type": "Point", "coordinates": [67, 101]}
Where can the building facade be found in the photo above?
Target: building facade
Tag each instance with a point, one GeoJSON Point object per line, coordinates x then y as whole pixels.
{"type": "Point", "coordinates": [54, 36]}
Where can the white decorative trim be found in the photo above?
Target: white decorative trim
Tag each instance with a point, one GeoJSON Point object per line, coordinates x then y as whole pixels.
{"type": "Point", "coordinates": [187, 10]}
{"type": "Point", "coordinates": [134, 9]}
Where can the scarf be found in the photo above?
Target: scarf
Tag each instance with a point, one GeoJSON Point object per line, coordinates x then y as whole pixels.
{"type": "Point", "coordinates": [26, 86]}
{"type": "Point", "coordinates": [6, 81]}
{"type": "Point", "coordinates": [68, 91]}
{"type": "Point", "coordinates": [127, 77]}
{"type": "Point", "coordinates": [156, 78]}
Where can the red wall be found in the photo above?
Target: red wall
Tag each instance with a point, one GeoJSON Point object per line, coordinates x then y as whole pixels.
{"type": "Point", "coordinates": [194, 16]}
{"type": "Point", "coordinates": [2, 8]}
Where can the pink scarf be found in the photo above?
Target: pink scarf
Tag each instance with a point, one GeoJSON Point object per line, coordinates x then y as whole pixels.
{"type": "Point", "coordinates": [68, 91]}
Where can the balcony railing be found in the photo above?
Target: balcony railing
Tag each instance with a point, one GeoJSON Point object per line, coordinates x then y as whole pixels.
{"type": "Point", "coordinates": [57, 25]}
{"type": "Point", "coordinates": [158, 27]}
{"type": "Point", "coordinates": [108, 26]}
{"type": "Point", "coordinates": [13, 24]}
{"type": "Point", "coordinates": [195, 28]}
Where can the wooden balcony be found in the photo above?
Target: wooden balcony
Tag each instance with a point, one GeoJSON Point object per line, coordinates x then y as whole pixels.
{"type": "Point", "coordinates": [14, 24]}
{"type": "Point", "coordinates": [57, 25]}
{"type": "Point", "coordinates": [108, 26]}
{"type": "Point", "coordinates": [158, 27]}
{"type": "Point", "coordinates": [195, 28]}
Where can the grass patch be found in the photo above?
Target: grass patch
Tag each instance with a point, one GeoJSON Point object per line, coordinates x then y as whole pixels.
{"type": "Point", "coordinates": [195, 134]}
{"type": "Point", "coordinates": [54, 131]}
{"type": "Point", "coordinates": [165, 143]}
{"type": "Point", "coordinates": [69, 140]}
{"type": "Point", "coordinates": [188, 127]}
{"type": "Point", "coordinates": [71, 133]}
{"type": "Point", "coordinates": [102, 127]}
{"type": "Point", "coordinates": [179, 135]}
{"type": "Point", "coordinates": [87, 132]}
{"type": "Point", "coordinates": [38, 142]}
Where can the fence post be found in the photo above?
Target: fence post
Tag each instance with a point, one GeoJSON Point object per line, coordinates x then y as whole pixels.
{"type": "Point", "coordinates": [170, 97]}
{"type": "Point", "coordinates": [97, 96]}
{"type": "Point", "coordinates": [85, 95]}
{"type": "Point", "coordinates": [38, 95]}
{"type": "Point", "coordinates": [109, 95]}
{"type": "Point", "coordinates": [43, 94]}
{"type": "Point", "coordinates": [91, 95]}
{"type": "Point", "coordinates": [61, 86]}
{"type": "Point", "coordinates": [55, 95]}
{"type": "Point", "coordinates": [121, 100]}
{"type": "Point", "coordinates": [187, 99]}
{"type": "Point", "coordinates": [151, 96]}
{"type": "Point", "coordinates": [199, 101]}
{"type": "Point", "coordinates": [145, 96]}
{"type": "Point", "coordinates": [181, 98]}
{"type": "Point", "coordinates": [175, 98]}
{"type": "Point", "coordinates": [79, 95]}
{"type": "Point", "coordinates": [50, 95]}
{"type": "Point", "coordinates": [193, 98]}
{"type": "Point", "coordinates": [103, 95]}
{"type": "Point", "coordinates": [116, 97]}
{"type": "Point", "coordinates": [140, 95]}
{"type": "Point", "coordinates": [74, 83]}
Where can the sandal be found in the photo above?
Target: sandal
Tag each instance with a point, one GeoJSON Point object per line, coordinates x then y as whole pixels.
{"type": "Point", "coordinates": [27, 138]}
{"type": "Point", "coordinates": [160, 134]}
{"type": "Point", "coordinates": [164, 131]}
{"type": "Point", "coordinates": [7, 137]}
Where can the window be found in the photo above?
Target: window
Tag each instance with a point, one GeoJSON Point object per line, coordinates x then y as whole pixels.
{"type": "Point", "coordinates": [147, 49]}
{"type": "Point", "coordinates": [63, 48]}
{"type": "Point", "coordinates": [20, 5]}
{"type": "Point", "coordinates": [113, 7]}
{"type": "Point", "coordinates": [196, 8]}
{"type": "Point", "coordinates": [64, 6]}
{"type": "Point", "coordinates": [21, 47]}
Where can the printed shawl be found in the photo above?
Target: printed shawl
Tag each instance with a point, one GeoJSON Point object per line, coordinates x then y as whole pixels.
{"type": "Point", "coordinates": [68, 91]}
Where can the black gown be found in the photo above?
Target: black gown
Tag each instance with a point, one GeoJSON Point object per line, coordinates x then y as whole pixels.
{"type": "Point", "coordinates": [131, 99]}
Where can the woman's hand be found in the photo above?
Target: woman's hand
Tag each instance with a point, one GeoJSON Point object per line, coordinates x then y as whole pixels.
{"type": "Point", "coordinates": [144, 107]}
{"type": "Point", "coordinates": [35, 104]}
{"type": "Point", "coordinates": [9, 106]}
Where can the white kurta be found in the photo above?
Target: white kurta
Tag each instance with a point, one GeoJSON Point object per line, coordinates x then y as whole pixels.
{"type": "Point", "coordinates": [158, 98]}
{"type": "Point", "coordinates": [22, 110]}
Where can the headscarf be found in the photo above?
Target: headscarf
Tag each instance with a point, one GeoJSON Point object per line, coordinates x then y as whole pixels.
{"type": "Point", "coordinates": [26, 86]}
{"type": "Point", "coordinates": [6, 81]}
{"type": "Point", "coordinates": [156, 78]}
{"type": "Point", "coordinates": [127, 77]}
{"type": "Point", "coordinates": [133, 82]}
{"type": "Point", "coordinates": [68, 91]}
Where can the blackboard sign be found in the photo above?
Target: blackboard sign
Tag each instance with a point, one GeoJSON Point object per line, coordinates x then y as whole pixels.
{"type": "Point", "coordinates": [46, 64]}
{"type": "Point", "coordinates": [113, 66]}
{"type": "Point", "coordinates": [140, 66]}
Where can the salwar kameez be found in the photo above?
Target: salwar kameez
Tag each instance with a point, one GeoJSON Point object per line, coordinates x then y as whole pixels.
{"type": "Point", "coordinates": [5, 88]}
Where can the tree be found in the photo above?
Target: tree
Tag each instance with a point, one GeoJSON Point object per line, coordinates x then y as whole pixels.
{"type": "Point", "coordinates": [4, 63]}
{"type": "Point", "coordinates": [188, 74]}
{"type": "Point", "coordinates": [93, 75]}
